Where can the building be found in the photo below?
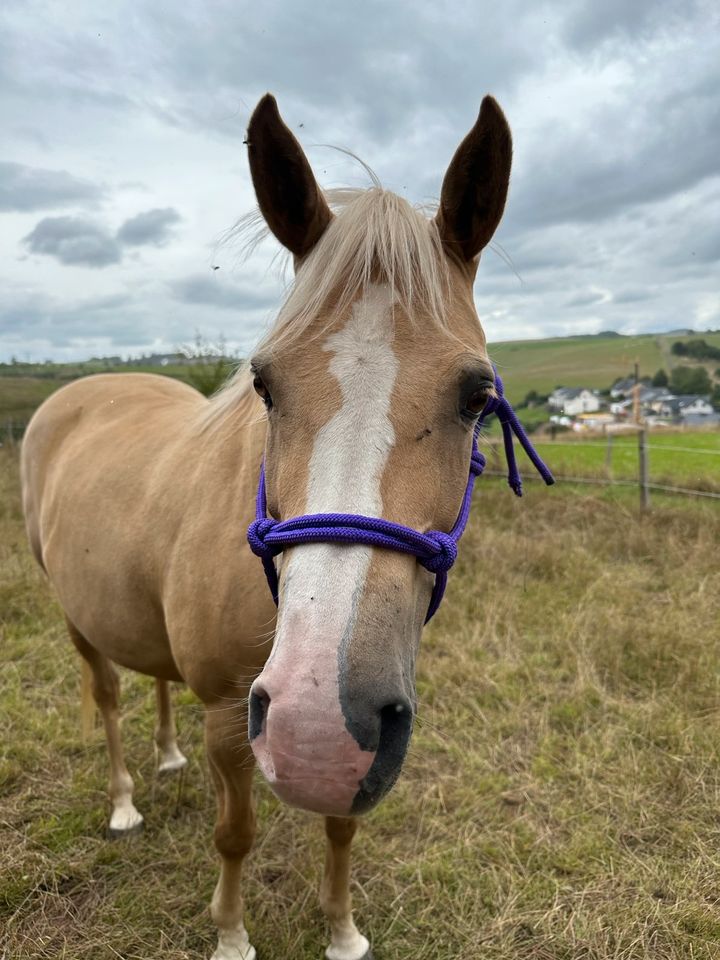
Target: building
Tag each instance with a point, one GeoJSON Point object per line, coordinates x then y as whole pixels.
{"type": "Point", "coordinates": [573, 400]}
{"type": "Point", "coordinates": [622, 388]}
{"type": "Point", "coordinates": [592, 421]}
{"type": "Point", "coordinates": [684, 407]}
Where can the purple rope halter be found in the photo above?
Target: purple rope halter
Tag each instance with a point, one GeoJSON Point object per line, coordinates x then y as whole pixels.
{"type": "Point", "coordinates": [435, 550]}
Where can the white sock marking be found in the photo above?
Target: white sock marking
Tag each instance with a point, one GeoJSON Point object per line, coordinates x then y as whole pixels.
{"type": "Point", "coordinates": [347, 943]}
{"type": "Point", "coordinates": [234, 945]}
{"type": "Point", "coordinates": [125, 816]}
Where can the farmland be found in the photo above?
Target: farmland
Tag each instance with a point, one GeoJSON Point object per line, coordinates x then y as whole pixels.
{"type": "Point", "coordinates": [526, 365]}
{"type": "Point", "coordinates": [685, 458]}
{"type": "Point", "coordinates": [560, 800]}
{"type": "Point", "coordinates": [594, 362]}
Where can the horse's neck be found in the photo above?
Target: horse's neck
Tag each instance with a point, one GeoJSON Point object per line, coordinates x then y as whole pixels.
{"type": "Point", "coordinates": [229, 450]}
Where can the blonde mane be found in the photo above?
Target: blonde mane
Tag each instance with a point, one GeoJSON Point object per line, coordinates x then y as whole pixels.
{"type": "Point", "coordinates": [374, 234]}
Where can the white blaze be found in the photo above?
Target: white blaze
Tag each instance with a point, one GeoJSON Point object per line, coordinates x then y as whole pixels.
{"type": "Point", "coordinates": [347, 464]}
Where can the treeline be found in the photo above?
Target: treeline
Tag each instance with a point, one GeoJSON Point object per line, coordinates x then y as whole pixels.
{"type": "Point", "coordinates": [695, 350]}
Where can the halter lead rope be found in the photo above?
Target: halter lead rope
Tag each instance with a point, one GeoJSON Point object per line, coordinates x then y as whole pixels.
{"type": "Point", "coordinates": [435, 550]}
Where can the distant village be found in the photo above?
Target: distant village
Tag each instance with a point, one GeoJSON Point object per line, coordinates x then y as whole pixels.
{"type": "Point", "coordinates": [580, 408]}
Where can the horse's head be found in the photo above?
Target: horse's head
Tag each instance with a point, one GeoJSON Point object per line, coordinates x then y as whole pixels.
{"type": "Point", "coordinates": [373, 380]}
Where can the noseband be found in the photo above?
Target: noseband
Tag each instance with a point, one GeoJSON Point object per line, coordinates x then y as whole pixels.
{"type": "Point", "coordinates": [435, 550]}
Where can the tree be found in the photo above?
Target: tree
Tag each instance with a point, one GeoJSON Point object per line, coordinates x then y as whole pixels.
{"type": "Point", "coordinates": [209, 365]}
{"type": "Point", "coordinates": [690, 380]}
{"type": "Point", "coordinates": [696, 349]}
{"type": "Point", "coordinates": [660, 379]}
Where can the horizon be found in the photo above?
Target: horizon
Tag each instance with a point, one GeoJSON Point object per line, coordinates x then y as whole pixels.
{"type": "Point", "coordinates": [129, 357]}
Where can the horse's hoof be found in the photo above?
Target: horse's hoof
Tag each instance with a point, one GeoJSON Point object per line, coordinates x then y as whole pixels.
{"type": "Point", "coordinates": [172, 765]}
{"type": "Point", "coordinates": [225, 952]}
{"type": "Point", "coordinates": [122, 833]}
{"type": "Point", "coordinates": [332, 952]}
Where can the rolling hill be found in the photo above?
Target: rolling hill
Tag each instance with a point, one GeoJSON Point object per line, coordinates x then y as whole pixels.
{"type": "Point", "coordinates": [541, 365]}
{"type": "Point", "coordinates": [594, 361]}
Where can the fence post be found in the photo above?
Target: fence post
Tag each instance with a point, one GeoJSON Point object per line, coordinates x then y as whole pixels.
{"type": "Point", "coordinates": [643, 466]}
{"type": "Point", "coordinates": [608, 455]}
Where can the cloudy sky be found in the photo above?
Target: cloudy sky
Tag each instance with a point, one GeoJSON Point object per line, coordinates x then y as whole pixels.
{"type": "Point", "coordinates": [123, 164]}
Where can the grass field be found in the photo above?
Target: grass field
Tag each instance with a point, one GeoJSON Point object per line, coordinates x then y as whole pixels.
{"type": "Point", "coordinates": [689, 458]}
{"type": "Point", "coordinates": [21, 395]}
{"type": "Point", "coordinates": [560, 802]}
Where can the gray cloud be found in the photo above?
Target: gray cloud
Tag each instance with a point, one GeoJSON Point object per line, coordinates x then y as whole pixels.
{"type": "Point", "coordinates": [584, 299]}
{"type": "Point", "coordinates": [24, 188]}
{"type": "Point", "coordinates": [151, 227]}
{"type": "Point", "coordinates": [592, 23]}
{"type": "Point", "coordinates": [77, 241]}
{"type": "Point", "coordinates": [212, 290]}
{"type": "Point", "coordinates": [74, 241]}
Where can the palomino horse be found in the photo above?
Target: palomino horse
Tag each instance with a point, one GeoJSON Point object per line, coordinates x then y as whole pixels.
{"type": "Point", "coordinates": [138, 493]}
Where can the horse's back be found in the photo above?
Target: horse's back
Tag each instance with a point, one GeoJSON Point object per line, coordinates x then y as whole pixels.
{"type": "Point", "coordinates": [90, 464]}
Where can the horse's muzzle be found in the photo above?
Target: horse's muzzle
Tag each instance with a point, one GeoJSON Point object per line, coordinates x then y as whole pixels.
{"type": "Point", "coordinates": [327, 754]}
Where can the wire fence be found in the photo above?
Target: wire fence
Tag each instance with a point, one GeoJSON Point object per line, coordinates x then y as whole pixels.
{"type": "Point", "coordinates": [606, 482]}
{"type": "Point", "coordinates": [11, 432]}
{"type": "Point", "coordinates": [619, 444]}
{"type": "Point", "coordinates": [645, 452]}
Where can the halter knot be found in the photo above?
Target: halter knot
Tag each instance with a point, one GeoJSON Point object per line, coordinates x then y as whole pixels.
{"type": "Point", "coordinates": [257, 531]}
{"type": "Point", "coordinates": [446, 555]}
{"type": "Point", "coordinates": [477, 462]}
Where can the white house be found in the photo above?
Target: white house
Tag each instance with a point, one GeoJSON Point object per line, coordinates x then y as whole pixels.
{"type": "Point", "coordinates": [573, 400]}
{"type": "Point", "coordinates": [622, 388]}
{"type": "Point", "coordinates": [691, 405]}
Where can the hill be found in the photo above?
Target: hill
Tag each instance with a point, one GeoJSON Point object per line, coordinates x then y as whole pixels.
{"type": "Point", "coordinates": [541, 365]}
{"type": "Point", "coordinates": [594, 362]}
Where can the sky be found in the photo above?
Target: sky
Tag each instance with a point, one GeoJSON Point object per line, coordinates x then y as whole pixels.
{"type": "Point", "coordinates": [123, 166]}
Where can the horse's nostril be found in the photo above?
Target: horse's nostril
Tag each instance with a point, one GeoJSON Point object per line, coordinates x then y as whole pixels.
{"type": "Point", "coordinates": [395, 724]}
{"type": "Point", "coordinates": [259, 705]}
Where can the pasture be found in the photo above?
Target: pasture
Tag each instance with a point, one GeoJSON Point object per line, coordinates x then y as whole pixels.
{"type": "Point", "coordinates": [560, 800]}
{"type": "Point", "coordinates": [594, 362]}
{"type": "Point", "coordinates": [685, 458]}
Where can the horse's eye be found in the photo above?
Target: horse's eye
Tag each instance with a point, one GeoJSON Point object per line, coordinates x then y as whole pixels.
{"type": "Point", "coordinates": [476, 399]}
{"type": "Point", "coordinates": [262, 391]}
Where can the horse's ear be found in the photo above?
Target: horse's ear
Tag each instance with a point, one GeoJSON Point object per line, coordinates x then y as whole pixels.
{"type": "Point", "coordinates": [287, 193]}
{"type": "Point", "coordinates": [475, 187]}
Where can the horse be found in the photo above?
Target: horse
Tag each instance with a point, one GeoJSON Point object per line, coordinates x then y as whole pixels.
{"type": "Point", "coordinates": [362, 399]}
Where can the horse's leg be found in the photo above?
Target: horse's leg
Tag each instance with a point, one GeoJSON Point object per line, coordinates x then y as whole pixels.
{"type": "Point", "coordinates": [231, 765]}
{"type": "Point", "coordinates": [346, 942]}
{"type": "Point", "coordinates": [170, 756]}
{"type": "Point", "coordinates": [105, 689]}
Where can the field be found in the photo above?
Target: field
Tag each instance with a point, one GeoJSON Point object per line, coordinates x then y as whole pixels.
{"type": "Point", "coordinates": [689, 458]}
{"type": "Point", "coordinates": [22, 393]}
{"type": "Point", "coordinates": [560, 801]}
{"type": "Point", "coordinates": [594, 362]}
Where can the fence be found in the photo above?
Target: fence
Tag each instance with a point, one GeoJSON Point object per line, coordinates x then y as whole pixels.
{"type": "Point", "coordinates": [11, 432]}
{"type": "Point", "coordinates": [644, 457]}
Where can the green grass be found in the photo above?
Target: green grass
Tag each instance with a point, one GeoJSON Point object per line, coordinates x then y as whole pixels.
{"type": "Point", "coordinates": [22, 393]}
{"type": "Point", "coordinates": [689, 458]}
{"type": "Point", "coordinates": [560, 800]}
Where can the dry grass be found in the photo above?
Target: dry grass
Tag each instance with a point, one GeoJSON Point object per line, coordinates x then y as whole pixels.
{"type": "Point", "coordinates": [561, 800]}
